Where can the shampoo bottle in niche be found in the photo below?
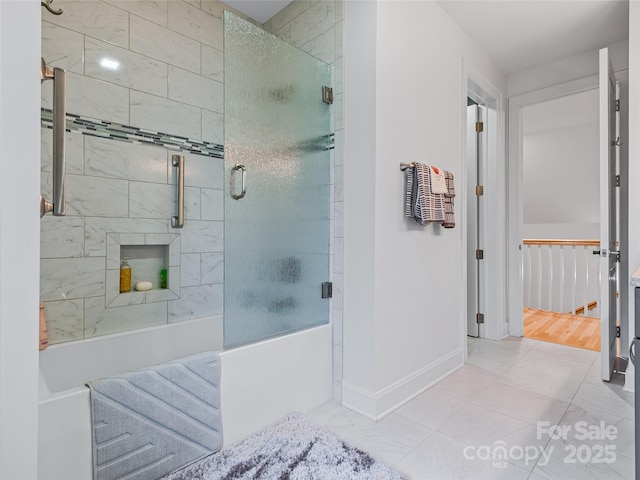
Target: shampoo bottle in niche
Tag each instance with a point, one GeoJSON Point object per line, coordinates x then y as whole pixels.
{"type": "Point", "coordinates": [125, 276]}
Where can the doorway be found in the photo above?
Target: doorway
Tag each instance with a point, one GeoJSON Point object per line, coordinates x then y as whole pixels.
{"type": "Point", "coordinates": [484, 193]}
{"type": "Point", "coordinates": [516, 253]}
{"type": "Point", "coordinates": [561, 219]}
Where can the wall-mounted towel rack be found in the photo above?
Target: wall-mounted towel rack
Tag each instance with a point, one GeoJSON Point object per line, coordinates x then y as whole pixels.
{"type": "Point", "coordinates": [59, 122]}
{"type": "Point", "coordinates": [404, 166]}
{"type": "Point", "coordinates": [47, 4]}
{"type": "Point", "coordinates": [178, 162]}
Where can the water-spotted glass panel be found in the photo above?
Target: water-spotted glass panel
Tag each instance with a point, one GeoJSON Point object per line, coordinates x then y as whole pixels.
{"type": "Point", "coordinates": [277, 167]}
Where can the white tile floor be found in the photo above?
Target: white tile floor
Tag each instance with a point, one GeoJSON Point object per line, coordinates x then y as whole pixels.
{"type": "Point", "coordinates": [495, 403]}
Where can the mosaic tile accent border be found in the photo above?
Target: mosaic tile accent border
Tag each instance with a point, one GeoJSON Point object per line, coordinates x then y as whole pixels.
{"type": "Point", "coordinates": [129, 134]}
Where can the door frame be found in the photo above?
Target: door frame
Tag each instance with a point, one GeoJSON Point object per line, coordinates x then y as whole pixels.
{"type": "Point", "coordinates": [476, 86]}
{"type": "Point", "coordinates": [515, 204]}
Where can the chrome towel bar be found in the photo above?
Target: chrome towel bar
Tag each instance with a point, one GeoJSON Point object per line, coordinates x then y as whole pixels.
{"type": "Point", "coordinates": [178, 221]}
{"type": "Point", "coordinates": [59, 77]}
{"type": "Point", "coordinates": [47, 4]}
{"type": "Point", "coordinates": [404, 166]}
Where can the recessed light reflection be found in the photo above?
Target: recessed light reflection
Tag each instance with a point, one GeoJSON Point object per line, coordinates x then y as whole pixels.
{"type": "Point", "coordinates": [110, 64]}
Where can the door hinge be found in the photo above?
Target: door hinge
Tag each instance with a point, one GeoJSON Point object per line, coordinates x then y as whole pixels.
{"type": "Point", "coordinates": [327, 95]}
{"type": "Point", "coordinates": [479, 190]}
{"type": "Point", "coordinates": [618, 105]}
{"type": "Point", "coordinates": [327, 290]}
{"type": "Point", "coordinates": [618, 331]}
{"type": "Point", "coordinates": [617, 180]}
{"type": "Point", "coordinates": [617, 254]}
{"type": "Point", "coordinates": [479, 254]}
{"type": "Point", "coordinates": [479, 127]}
{"type": "Point", "coordinates": [479, 317]}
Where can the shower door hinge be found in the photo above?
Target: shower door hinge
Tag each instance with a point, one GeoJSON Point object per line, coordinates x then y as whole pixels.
{"type": "Point", "coordinates": [618, 331]}
{"type": "Point", "coordinates": [327, 290]}
{"type": "Point", "coordinates": [617, 180]}
{"type": "Point", "coordinates": [618, 105]}
{"type": "Point", "coordinates": [327, 95]}
{"type": "Point", "coordinates": [479, 254]}
{"type": "Point", "coordinates": [479, 127]}
{"type": "Point", "coordinates": [479, 190]}
{"type": "Point", "coordinates": [479, 317]}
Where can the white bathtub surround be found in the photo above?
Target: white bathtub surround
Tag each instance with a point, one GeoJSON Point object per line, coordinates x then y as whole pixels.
{"type": "Point", "coordinates": [64, 434]}
{"type": "Point", "coordinates": [261, 383]}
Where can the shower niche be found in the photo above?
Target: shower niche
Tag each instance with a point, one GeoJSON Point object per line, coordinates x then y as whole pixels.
{"type": "Point", "coordinates": [147, 255]}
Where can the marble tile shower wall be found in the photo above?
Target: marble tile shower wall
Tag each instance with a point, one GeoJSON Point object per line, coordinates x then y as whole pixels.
{"type": "Point", "coordinates": [317, 28]}
{"type": "Point", "coordinates": [169, 80]}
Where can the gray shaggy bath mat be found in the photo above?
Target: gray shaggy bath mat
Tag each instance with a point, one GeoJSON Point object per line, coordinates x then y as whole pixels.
{"type": "Point", "coordinates": [292, 448]}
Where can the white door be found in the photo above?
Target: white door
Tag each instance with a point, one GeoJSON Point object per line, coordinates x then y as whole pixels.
{"type": "Point", "coordinates": [476, 155]}
{"type": "Point", "coordinates": [608, 215]}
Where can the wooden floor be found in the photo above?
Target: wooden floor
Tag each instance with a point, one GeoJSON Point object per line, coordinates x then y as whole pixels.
{"type": "Point", "coordinates": [572, 330]}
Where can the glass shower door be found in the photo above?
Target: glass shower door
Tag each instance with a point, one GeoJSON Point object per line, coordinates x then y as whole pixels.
{"type": "Point", "coordinates": [277, 168]}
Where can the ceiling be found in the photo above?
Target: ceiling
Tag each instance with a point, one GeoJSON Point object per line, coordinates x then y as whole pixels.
{"type": "Point", "coordinates": [517, 34]}
{"type": "Point", "coordinates": [522, 34]}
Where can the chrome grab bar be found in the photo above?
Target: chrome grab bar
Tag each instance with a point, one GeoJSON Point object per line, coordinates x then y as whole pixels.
{"type": "Point", "coordinates": [236, 167]}
{"type": "Point", "coordinates": [178, 161]}
{"type": "Point", "coordinates": [59, 77]}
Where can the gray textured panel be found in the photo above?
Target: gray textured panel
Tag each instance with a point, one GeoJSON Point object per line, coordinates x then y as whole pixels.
{"type": "Point", "coordinates": [152, 421]}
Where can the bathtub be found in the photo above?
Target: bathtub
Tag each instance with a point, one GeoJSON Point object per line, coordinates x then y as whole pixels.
{"type": "Point", "coordinates": [259, 383]}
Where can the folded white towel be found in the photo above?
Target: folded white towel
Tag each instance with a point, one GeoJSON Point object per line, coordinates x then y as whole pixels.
{"type": "Point", "coordinates": [438, 180]}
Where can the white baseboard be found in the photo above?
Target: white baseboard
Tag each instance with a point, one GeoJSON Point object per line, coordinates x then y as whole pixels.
{"type": "Point", "coordinates": [376, 405]}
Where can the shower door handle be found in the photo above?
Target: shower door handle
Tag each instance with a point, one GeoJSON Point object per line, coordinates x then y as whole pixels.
{"type": "Point", "coordinates": [178, 221]}
{"type": "Point", "coordinates": [59, 77]}
{"type": "Point", "coordinates": [243, 169]}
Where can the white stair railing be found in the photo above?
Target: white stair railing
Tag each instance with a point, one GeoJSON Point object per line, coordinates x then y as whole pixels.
{"type": "Point", "coordinates": [562, 276]}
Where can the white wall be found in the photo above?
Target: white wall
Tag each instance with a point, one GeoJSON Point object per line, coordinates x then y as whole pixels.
{"type": "Point", "coordinates": [19, 244]}
{"type": "Point", "coordinates": [634, 168]}
{"type": "Point", "coordinates": [561, 167]}
{"type": "Point", "coordinates": [404, 295]}
{"type": "Point", "coordinates": [561, 181]}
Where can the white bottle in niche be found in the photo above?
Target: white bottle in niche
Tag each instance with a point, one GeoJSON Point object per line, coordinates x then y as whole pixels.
{"type": "Point", "coordinates": [125, 276]}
